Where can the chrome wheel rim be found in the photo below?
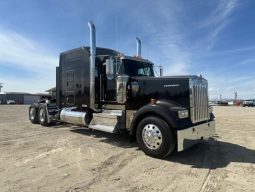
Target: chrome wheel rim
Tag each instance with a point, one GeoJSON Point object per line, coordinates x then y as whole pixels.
{"type": "Point", "coordinates": [152, 136]}
{"type": "Point", "coordinates": [42, 115]}
{"type": "Point", "coordinates": [32, 113]}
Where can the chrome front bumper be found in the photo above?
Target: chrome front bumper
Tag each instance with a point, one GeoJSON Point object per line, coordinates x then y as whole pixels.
{"type": "Point", "coordinates": [192, 135]}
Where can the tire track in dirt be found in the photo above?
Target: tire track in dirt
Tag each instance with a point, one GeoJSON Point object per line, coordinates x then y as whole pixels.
{"type": "Point", "coordinates": [211, 181]}
{"type": "Point", "coordinates": [107, 169]}
{"type": "Point", "coordinates": [213, 175]}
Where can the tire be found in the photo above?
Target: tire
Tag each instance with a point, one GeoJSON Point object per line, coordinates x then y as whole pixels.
{"type": "Point", "coordinates": [33, 114]}
{"type": "Point", "coordinates": [155, 138]}
{"type": "Point", "coordinates": [43, 116]}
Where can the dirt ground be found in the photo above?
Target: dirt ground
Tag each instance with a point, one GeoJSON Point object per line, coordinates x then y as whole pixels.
{"type": "Point", "coordinates": [68, 158]}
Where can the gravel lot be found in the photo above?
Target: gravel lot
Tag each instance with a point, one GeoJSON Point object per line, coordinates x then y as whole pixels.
{"type": "Point", "coordinates": [68, 158]}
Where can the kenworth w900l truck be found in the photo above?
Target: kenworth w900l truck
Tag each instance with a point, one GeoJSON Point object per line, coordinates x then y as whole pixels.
{"type": "Point", "coordinates": [105, 90]}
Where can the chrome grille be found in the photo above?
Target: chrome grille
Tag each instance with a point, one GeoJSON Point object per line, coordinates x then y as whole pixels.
{"type": "Point", "coordinates": [198, 99]}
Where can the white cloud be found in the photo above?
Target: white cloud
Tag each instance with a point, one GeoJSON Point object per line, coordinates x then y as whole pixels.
{"type": "Point", "coordinates": [176, 69]}
{"type": "Point", "coordinates": [164, 28]}
{"type": "Point", "coordinates": [228, 84]}
{"type": "Point", "coordinates": [174, 47]}
{"type": "Point", "coordinates": [36, 85]}
{"type": "Point", "coordinates": [230, 51]}
{"type": "Point", "coordinates": [219, 15]}
{"type": "Point", "coordinates": [247, 61]}
{"type": "Point", "coordinates": [218, 20]}
{"type": "Point", "coordinates": [20, 52]}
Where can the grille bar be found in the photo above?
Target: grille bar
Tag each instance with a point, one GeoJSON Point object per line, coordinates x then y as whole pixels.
{"type": "Point", "coordinates": [198, 100]}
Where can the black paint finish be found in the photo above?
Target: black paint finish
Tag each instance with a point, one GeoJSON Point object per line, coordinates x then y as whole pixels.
{"type": "Point", "coordinates": [73, 76]}
{"type": "Point", "coordinates": [73, 85]}
{"type": "Point", "coordinates": [173, 89]}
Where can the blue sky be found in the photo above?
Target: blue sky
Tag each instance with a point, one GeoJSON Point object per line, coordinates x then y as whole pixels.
{"type": "Point", "coordinates": [212, 38]}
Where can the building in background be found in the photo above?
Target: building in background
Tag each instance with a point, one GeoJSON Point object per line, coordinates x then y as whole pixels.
{"type": "Point", "coordinates": [22, 98]}
{"type": "Point", "coordinates": [2, 97]}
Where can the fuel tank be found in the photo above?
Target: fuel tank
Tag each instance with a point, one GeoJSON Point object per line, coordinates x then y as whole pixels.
{"type": "Point", "coordinates": [73, 116]}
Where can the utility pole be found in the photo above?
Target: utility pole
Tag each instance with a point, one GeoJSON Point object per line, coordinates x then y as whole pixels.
{"type": "Point", "coordinates": [235, 96]}
{"type": "Point", "coordinates": [1, 86]}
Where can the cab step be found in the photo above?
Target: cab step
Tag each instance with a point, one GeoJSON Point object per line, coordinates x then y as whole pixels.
{"type": "Point", "coordinates": [108, 121]}
{"type": "Point", "coordinates": [109, 129]}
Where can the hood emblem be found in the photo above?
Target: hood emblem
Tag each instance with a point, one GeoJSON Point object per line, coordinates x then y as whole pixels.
{"type": "Point", "coordinates": [172, 85]}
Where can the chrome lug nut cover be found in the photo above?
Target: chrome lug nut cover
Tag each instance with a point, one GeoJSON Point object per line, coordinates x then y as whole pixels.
{"type": "Point", "coordinates": [152, 136]}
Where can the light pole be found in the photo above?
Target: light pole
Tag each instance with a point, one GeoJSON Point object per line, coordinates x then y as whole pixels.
{"type": "Point", "coordinates": [1, 86]}
{"type": "Point", "coordinates": [235, 96]}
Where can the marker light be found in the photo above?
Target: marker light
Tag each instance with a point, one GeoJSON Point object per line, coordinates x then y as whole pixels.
{"type": "Point", "coordinates": [153, 101]}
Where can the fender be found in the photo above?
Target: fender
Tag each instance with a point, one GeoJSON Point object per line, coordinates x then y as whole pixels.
{"type": "Point", "coordinates": [164, 109]}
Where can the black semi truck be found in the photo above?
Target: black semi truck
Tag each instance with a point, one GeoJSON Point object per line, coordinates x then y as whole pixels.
{"type": "Point", "coordinates": [105, 90]}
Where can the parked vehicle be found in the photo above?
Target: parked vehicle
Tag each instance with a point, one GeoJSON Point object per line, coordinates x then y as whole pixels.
{"type": "Point", "coordinates": [248, 103]}
{"type": "Point", "coordinates": [102, 89]}
{"type": "Point", "coordinates": [9, 102]}
{"type": "Point", "coordinates": [222, 103]}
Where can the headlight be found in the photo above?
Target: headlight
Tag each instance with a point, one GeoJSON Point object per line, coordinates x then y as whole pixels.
{"type": "Point", "coordinates": [210, 109]}
{"type": "Point", "coordinates": [183, 114]}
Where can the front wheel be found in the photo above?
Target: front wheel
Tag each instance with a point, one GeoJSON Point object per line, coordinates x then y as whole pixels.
{"type": "Point", "coordinates": [155, 137]}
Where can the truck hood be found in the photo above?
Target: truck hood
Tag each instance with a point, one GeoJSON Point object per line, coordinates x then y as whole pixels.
{"type": "Point", "coordinates": [174, 89]}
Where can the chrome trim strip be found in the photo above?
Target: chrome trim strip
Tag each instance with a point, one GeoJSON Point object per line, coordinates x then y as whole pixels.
{"type": "Point", "coordinates": [192, 135]}
{"type": "Point", "coordinates": [121, 88]}
{"type": "Point", "coordinates": [114, 106]}
{"type": "Point", "coordinates": [129, 117]}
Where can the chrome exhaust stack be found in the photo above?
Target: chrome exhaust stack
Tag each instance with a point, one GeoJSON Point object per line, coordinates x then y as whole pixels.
{"type": "Point", "coordinates": [138, 47]}
{"type": "Point", "coordinates": [92, 63]}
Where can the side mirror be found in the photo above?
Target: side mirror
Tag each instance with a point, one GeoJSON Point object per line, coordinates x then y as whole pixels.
{"type": "Point", "coordinates": [109, 66]}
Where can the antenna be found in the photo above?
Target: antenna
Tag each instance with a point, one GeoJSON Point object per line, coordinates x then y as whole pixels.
{"type": "Point", "coordinates": [117, 32]}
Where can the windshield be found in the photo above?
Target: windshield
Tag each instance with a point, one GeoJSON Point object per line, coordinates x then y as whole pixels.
{"type": "Point", "coordinates": [138, 68]}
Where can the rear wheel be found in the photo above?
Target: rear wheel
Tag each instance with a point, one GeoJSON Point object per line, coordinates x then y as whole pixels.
{"type": "Point", "coordinates": [155, 137]}
{"type": "Point", "coordinates": [43, 116]}
{"type": "Point", "coordinates": [33, 114]}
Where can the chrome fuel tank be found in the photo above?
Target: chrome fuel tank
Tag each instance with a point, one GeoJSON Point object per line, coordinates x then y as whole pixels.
{"type": "Point", "coordinates": [71, 115]}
